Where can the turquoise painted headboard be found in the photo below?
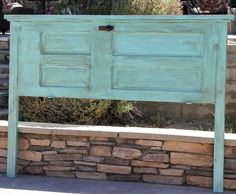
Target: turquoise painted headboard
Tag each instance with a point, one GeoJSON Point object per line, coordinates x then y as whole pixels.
{"type": "Point", "coordinates": [146, 58]}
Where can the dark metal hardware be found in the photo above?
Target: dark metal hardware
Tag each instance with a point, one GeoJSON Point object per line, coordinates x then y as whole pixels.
{"type": "Point", "coordinates": [106, 28]}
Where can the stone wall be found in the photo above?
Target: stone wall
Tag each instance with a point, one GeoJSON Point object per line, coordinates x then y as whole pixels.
{"type": "Point", "coordinates": [165, 156]}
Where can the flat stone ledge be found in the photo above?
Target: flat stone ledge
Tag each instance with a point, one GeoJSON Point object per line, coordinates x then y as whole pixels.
{"type": "Point", "coordinates": [120, 132]}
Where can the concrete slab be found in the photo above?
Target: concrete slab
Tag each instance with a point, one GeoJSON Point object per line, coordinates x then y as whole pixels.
{"type": "Point", "coordinates": [51, 185]}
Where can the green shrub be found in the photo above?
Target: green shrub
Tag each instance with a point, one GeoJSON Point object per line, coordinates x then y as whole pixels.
{"type": "Point", "coordinates": [146, 7]}
{"type": "Point", "coordinates": [78, 111]}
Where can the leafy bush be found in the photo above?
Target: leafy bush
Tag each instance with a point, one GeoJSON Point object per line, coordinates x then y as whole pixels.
{"type": "Point", "coordinates": [118, 7]}
{"type": "Point", "coordinates": [78, 111]}
{"type": "Point", "coordinates": [146, 7]}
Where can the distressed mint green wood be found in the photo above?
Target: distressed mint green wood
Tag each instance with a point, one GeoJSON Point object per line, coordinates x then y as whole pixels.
{"type": "Point", "coordinates": [13, 102]}
{"type": "Point", "coordinates": [150, 58]}
{"type": "Point", "coordinates": [218, 178]}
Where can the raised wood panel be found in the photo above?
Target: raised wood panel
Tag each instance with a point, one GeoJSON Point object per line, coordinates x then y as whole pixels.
{"type": "Point", "coordinates": [66, 42]}
{"type": "Point", "coordinates": [154, 79]}
{"type": "Point", "coordinates": [158, 44]}
{"type": "Point", "coordinates": [65, 71]}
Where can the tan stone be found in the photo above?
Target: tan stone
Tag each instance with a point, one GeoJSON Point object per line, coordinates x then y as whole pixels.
{"type": "Point", "coordinates": [86, 168]}
{"type": "Point", "coordinates": [191, 159]}
{"type": "Point", "coordinates": [171, 172]}
{"type": "Point", "coordinates": [3, 153]}
{"type": "Point", "coordinates": [188, 147]}
{"type": "Point", "coordinates": [230, 164]}
{"type": "Point", "coordinates": [58, 144]}
{"type": "Point", "coordinates": [113, 169]}
{"type": "Point", "coordinates": [65, 157]}
{"type": "Point", "coordinates": [91, 175]}
{"type": "Point", "coordinates": [100, 151]}
{"type": "Point", "coordinates": [116, 161]}
{"type": "Point", "coordinates": [155, 148]}
{"type": "Point", "coordinates": [201, 181]}
{"type": "Point", "coordinates": [96, 159]}
{"type": "Point", "coordinates": [30, 155]}
{"type": "Point", "coordinates": [49, 152]}
{"type": "Point", "coordinates": [35, 170]}
{"type": "Point", "coordinates": [149, 143]}
{"type": "Point", "coordinates": [23, 144]}
{"type": "Point", "coordinates": [160, 157]}
{"type": "Point", "coordinates": [98, 139]}
{"type": "Point", "coordinates": [126, 153]}
{"type": "Point", "coordinates": [164, 179]}
{"type": "Point", "coordinates": [149, 164]}
{"type": "Point", "coordinates": [71, 150]}
{"type": "Point", "coordinates": [230, 184]}
{"type": "Point", "coordinates": [58, 168]}
{"type": "Point", "coordinates": [3, 143]}
{"type": "Point", "coordinates": [61, 163]}
{"type": "Point", "coordinates": [230, 151]}
{"type": "Point", "coordinates": [127, 177]}
{"type": "Point", "coordinates": [144, 170]}
{"type": "Point", "coordinates": [3, 167]}
{"type": "Point", "coordinates": [85, 163]}
{"type": "Point", "coordinates": [78, 143]}
{"type": "Point", "coordinates": [66, 174]}
{"type": "Point", "coordinates": [41, 163]}
{"type": "Point", "coordinates": [3, 160]}
{"type": "Point", "coordinates": [40, 142]}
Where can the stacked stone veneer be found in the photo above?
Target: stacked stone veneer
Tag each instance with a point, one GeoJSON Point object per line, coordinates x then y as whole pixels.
{"type": "Point", "coordinates": [129, 154]}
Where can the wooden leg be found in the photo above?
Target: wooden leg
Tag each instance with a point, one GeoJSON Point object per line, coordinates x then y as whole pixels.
{"type": "Point", "coordinates": [12, 135]}
{"type": "Point", "coordinates": [218, 178]}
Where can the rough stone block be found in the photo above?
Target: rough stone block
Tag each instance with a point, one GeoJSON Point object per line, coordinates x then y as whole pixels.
{"type": "Point", "coordinates": [49, 152]}
{"type": "Point", "coordinates": [40, 142]}
{"type": "Point", "coordinates": [66, 174]}
{"type": "Point", "coordinates": [230, 184]}
{"type": "Point", "coordinates": [173, 180]}
{"type": "Point", "coordinates": [149, 164]}
{"type": "Point", "coordinates": [78, 143]}
{"type": "Point", "coordinates": [144, 170]}
{"type": "Point", "coordinates": [188, 147]}
{"type": "Point", "coordinates": [171, 172]}
{"type": "Point", "coordinates": [159, 157]}
{"type": "Point", "coordinates": [85, 168]}
{"type": "Point", "coordinates": [58, 144]}
{"type": "Point", "coordinates": [65, 157]}
{"type": "Point", "coordinates": [3, 168]}
{"type": "Point", "coordinates": [85, 163]}
{"type": "Point", "coordinates": [3, 153]}
{"type": "Point", "coordinates": [200, 181]}
{"type": "Point", "coordinates": [30, 155]}
{"type": "Point", "coordinates": [230, 152]}
{"type": "Point", "coordinates": [96, 159]}
{"type": "Point", "coordinates": [113, 169]}
{"type": "Point", "coordinates": [23, 144]}
{"type": "Point", "coordinates": [100, 151]}
{"type": "Point", "coordinates": [59, 168]}
{"type": "Point", "coordinates": [117, 161]}
{"type": "Point", "coordinates": [191, 159]}
{"type": "Point", "coordinates": [129, 177]}
{"type": "Point", "coordinates": [71, 150]}
{"type": "Point", "coordinates": [61, 163]}
{"type": "Point", "coordinates": [35, 170]}
{"type": "Point", "coordinates": [126, 153]}
{"type": "Point", "coordinates": [91, 175]}
{"type": "Point", "coordinates": [149, 143]}
{"type": "Point", "coordinates": [230, 164]}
